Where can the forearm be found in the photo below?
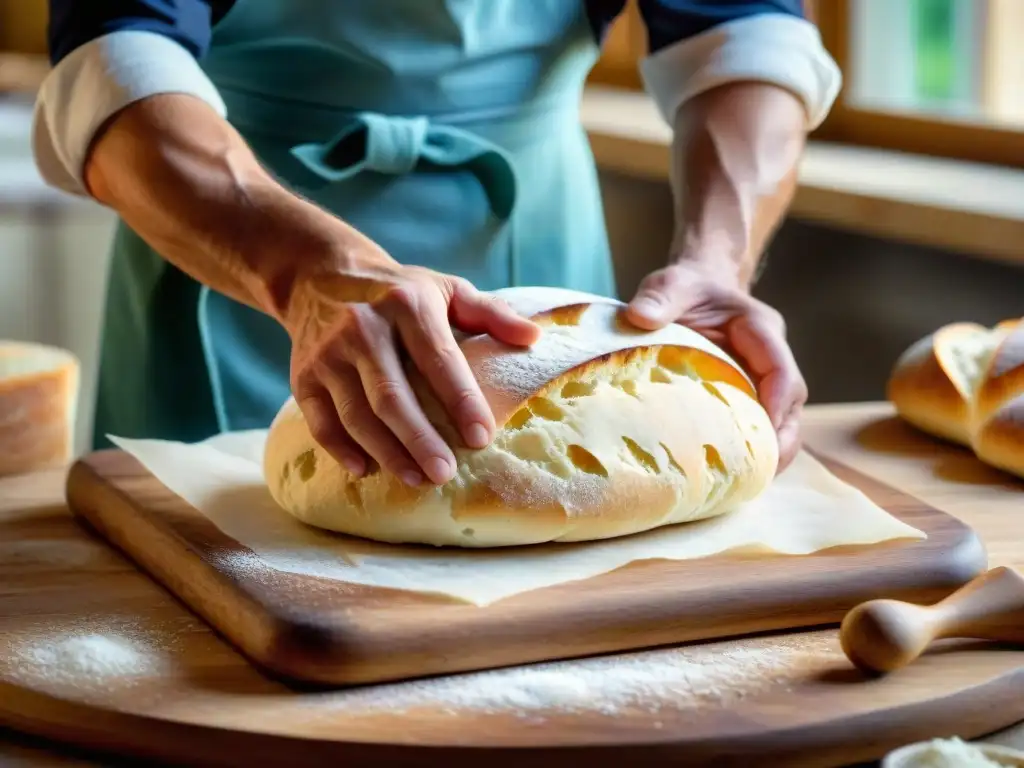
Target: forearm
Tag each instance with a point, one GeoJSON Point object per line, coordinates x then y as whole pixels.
{"type": "Point", "coordinates": [185, 181]}
{"type": "Point", "coordinates": [734, 171]}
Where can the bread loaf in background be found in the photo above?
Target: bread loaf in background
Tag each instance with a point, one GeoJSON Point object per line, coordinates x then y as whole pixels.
{"type": "Point", "coordinates": [965, 383]}
{"type": "Point", "coordinates": [604, 430]}
{"type": "Point", "coordinates": [38, 401]}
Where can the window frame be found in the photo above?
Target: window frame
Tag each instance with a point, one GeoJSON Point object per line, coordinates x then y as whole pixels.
{"type": "Point", "coordinates": [919, 134]}
{"type": "Point", "coordinates": [622, 49]}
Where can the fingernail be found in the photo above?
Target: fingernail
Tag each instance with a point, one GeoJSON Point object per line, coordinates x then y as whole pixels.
{"type": "Point", "coordinates": [648, 307]}
{"type": "Point", "coordinates": [477, 435]}
{"type": "Point", "coordinates": [411, 478]}
{"type": "Point", "coordinates": [354, 465]}
{"type": "Point", "coordinates": [438, 470]}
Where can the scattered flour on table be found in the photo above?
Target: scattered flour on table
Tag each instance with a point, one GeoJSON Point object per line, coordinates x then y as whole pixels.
{"type": "Point", "coordinates": [90, 656]}
{"type": "Point", "coordinates": [648, 682]}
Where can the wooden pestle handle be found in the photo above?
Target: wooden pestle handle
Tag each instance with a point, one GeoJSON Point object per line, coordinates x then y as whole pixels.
{"type": "Point", "coordinates": [884, 635]}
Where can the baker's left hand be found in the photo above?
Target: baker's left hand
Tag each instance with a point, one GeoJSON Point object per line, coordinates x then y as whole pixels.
{"type": "Point", "coordinates": [712, 301]}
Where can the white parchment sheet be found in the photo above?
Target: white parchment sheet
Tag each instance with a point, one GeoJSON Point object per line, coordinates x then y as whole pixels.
{"type": "Point", "coordinates": [805, 510]}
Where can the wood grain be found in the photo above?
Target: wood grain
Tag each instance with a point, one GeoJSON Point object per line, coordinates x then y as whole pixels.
{"type": "Point", "coordinates": [787, 699]}
{"type": "Point", "coordinates": [331, 632]}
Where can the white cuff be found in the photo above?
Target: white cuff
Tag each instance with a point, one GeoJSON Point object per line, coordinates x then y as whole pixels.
{"type": "Point", "coordinates": [97, 80]}
{"type": "Point", "coordinates": [771, 47]}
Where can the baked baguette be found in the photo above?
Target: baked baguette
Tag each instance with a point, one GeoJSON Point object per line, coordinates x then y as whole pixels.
{"type": "Point", "coordinates": [965, 383]}
{"type": "Point", "coordinates": [604, 430]}
{"type": "Point", "coordinates": [38, 402]}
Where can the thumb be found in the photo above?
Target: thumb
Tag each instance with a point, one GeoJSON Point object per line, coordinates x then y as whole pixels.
{"type": "Point", "coordinates": [476, 312]}
{"type": "Point", "coordinates": [655, 303]}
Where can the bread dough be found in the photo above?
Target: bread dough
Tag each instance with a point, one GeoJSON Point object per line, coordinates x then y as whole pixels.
{"type": "Point", "coordinates": [965, 383]}
{"type": "Point", "coordinates": [604, 431]}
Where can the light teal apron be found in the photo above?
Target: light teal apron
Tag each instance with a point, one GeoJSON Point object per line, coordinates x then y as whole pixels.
{"type": "Point", "coordinates": [447, 131]}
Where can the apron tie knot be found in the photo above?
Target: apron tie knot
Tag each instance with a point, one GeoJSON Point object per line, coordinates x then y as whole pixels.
{"type": "Point", "coordinates": [394, 145]}
{"type": "Point", "coordinates": [387, 144]}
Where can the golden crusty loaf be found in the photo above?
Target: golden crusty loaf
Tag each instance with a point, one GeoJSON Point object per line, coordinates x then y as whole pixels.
{"type": "Point", "coordinates": [604, 430]}
{"type": "Point", "coordinates": [38, 399]}
{"type": "Point", "coordinates": [965, 383]}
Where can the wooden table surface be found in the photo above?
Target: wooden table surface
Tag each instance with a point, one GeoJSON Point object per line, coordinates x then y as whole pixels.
{"type": "Point", "coordinates": [864, 436]}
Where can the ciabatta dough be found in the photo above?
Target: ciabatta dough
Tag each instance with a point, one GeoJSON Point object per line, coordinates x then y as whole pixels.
{"type": "Point", "coordinates": [965, 383]}
{"type": "Point", "coordinates": [604, 430]}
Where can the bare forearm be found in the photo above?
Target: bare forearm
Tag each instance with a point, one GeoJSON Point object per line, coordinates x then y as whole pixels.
{"type": "Point", "coordinates": [735, 160]}
{"type": "Point", "coordinates": [188, 184]}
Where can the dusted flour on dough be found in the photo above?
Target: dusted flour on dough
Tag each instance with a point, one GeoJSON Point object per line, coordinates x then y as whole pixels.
{"type": "Point", "coordinates": [604, 431]}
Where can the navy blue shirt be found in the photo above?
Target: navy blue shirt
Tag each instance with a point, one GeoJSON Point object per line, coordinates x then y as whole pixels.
{"type": "Point", "coordinates": [190, 22]}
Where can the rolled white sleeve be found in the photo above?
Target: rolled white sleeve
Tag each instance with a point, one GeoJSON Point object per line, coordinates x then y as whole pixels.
{"type": "Point", "coordinates": [774, 48]}
{"type": "Point", "coordinates": [97, 80]}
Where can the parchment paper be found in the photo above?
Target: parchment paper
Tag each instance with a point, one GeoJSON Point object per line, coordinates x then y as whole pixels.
{"type": "Point", "coordinates": [805, 510]}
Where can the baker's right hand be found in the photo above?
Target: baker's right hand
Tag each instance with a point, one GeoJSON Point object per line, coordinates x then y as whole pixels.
{"type": "Point", "coordinates": [348, 338]}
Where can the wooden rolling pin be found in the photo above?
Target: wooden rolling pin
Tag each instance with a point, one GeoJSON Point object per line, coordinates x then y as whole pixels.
{"type": "Point", "coordinates": [884, 635]}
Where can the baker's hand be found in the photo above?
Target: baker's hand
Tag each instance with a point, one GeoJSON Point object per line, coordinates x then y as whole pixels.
{"type": "Point", "coordinates": [347, 375]}
{"type": "Point", "coordinates": [713, 303]}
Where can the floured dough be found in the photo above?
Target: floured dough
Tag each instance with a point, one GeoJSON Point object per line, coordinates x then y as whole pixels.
{"type": "Point", "coordinates": [605, 430]}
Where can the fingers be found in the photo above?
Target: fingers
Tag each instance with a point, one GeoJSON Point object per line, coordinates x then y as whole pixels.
{"type": "Point", "coordinates": [656, 303]}
{"type": "Point", "coordinates": [752, 330]}
{"type": "Point", "coordinates": [789, 437]}
{"type": "Point", "coordinates": [357, 398]}
{"type": "Point", "coordinates": [366, 428]}
{"type": "Point", "coordinates": [358, 374]}
{"type": "Point", "coordinates": [759, 338]}
{"type": "Point", "coordinates": [341, 420]}
{"type": "Point", "coordinates": [477, 312]}
{"type": "Point", "coordinates": [357, 401]}
{"type": "Point", "coordinates": [321, 416]}
{"type": "Point", "coordinates": [367, 342]}
{"type": "Point", "coordinates": [394, 403]}
{"type": "Point", "coordinates": [428, 338]}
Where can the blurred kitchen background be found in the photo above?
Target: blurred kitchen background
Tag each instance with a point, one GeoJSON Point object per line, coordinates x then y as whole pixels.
{"type": "Point", "coordinates": [910, 212]}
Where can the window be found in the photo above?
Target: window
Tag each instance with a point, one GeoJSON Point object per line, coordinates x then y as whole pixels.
{"type": "Point", "coordinates": [938, 77]}
{"type": "Point", "coordinates": [934, 77]}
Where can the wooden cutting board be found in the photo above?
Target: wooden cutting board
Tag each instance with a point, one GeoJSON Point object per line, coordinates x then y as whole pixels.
{"type": "Point", "coordinates": [95, 654]}
{"type": "Point", "coordinates": [304, 628]}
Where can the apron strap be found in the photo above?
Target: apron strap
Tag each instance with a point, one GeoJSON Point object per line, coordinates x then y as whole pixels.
{"type": "Point", "coordinates": [399, 145]}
